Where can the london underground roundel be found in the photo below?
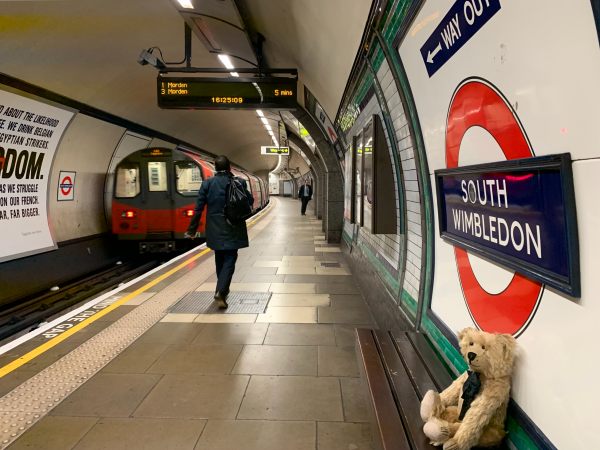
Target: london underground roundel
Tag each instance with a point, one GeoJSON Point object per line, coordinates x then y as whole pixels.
{"type": "Point", "coordinates": [476, 103]}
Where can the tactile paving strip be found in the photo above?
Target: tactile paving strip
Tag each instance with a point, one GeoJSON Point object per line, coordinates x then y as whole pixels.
{"type": "Point", "coordinates": [239, 303]}
{"type": "Point", "coordinates": [29, 402]}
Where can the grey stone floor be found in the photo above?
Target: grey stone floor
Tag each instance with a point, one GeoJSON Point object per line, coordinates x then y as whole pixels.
{"type": "Point", "coordinates": [285, 379]}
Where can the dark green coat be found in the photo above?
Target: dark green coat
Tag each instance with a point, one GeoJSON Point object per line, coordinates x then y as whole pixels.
{"type": "Point", "coordinates": [220, 235]}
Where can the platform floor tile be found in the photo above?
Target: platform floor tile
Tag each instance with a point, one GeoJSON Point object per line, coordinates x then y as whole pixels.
{"type": "Point", "coordinates": [345, 334]}
{"type": "Point", "coordinates": [353, 398]}
{"type": "Point", "coordinates": [289, 314]}
{"type": "Point", "coordinates": [232, 333]}
{"type": "Point", "coordinates": [292, 398]}
{"type": "Point", "coordinates": [226, 318]}
{"type": "Point", "coordinates": [108, 395]}
{"type": "Point", "coordinates": [299, 300]}
{"type": "Point", "coordinates": [147, 434]}
{"type": "Point", "coordinates": [337, 362]}
{"type": "Point", "coordinates": [350, 315]}
{"type": "Point", "coordinates": [197, 359]}
{"type": "Point", "coordinates": [257, 435]}
{"type": "Point", "coordinates": [300, 334]}
{"type": "Point", "coordinates": [55, 433]}
{"type": "Point", "coordinates": [277, 360]}
{"type": "Point", "coordinates": [196, 397]}
{"type": "Point", "coordinates": [343, 436]}
{"type": "Point", "coordinates": [337, 288]}
{"type": "Point", "coordinates": [136, 359]}
{"type": "Point", "coordinates": [293, 288]}
{"type": "Point", "coordinates": [171, 333]}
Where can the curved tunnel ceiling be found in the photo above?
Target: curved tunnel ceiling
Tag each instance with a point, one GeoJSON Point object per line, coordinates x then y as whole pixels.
{"type": "Point", "coordinates": [87, 50]}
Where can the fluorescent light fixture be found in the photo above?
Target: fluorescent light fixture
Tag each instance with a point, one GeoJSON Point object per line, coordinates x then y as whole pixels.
{"type": "Point", "coordinates": [226, 61]}
{"type": "Point", "coordinates": [263, 120]}
{"type": "Point", "coordinates": [268, 127]}
{"type": "Point", "coordinates": [234, 74]}
{"type": "Point", "coordinates": [260, 113]}
{"type": "Point", "coordinates": [186, 4]}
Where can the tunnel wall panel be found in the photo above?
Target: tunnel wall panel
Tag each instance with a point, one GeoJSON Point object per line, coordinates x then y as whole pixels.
{"type": "Point", "coordinates": [86, 149]}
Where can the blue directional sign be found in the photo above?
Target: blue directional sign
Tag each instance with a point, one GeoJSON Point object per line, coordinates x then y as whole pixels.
{"type": "Point", "coordinates": [465, 18]}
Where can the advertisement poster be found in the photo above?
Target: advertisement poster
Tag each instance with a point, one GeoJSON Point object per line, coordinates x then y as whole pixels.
{"type": "Point", "coordinates": [29, 135]}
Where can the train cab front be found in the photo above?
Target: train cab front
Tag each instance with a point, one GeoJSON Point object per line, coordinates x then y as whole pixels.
{"type": "Point", "coordinates": [153, 201]}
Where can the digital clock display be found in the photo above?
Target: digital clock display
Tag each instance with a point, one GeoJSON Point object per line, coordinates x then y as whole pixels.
{"type": "Point", "coordinates": [226, 93]}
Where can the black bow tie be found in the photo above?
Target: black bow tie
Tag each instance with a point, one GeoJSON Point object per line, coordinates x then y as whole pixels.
{"type": "Point", "coordinates": [469, 392]}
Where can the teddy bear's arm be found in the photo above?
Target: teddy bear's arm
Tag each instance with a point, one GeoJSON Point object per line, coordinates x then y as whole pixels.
{"type": "Point", "coordinates": [481, 412]}
{"type": "Point", "coordinates": [449, 396]}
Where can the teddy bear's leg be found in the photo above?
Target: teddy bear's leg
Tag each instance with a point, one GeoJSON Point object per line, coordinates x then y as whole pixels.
{"type": "Point", "coordinates": [439, 431]}
{"type": "Point", "coordinates": [450, 414]}
{"type": "Point", "coordinates": [491, 437]}
{"type": "Point", "coordinates": [431, 405]}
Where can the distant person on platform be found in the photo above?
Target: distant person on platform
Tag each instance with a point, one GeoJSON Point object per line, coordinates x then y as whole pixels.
{"type": "Point", "coordinates": [222, 237]}
{"type": "Point", "coordinates": [305, 195]}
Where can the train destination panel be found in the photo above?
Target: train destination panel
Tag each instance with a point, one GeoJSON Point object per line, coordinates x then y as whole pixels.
{"type": "Point", "coordinates": [226, 93]}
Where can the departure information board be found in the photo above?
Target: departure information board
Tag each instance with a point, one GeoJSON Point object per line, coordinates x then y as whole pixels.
{"type": "Point", "coordinates": [226, 93]}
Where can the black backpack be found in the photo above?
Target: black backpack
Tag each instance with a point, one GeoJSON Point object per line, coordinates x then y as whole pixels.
{"type": "Point", "coordinates": [237, 207]}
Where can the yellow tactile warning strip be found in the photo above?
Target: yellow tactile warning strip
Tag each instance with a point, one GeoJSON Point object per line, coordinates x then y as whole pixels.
{"type": "Point", "coordinates": [29, 402]}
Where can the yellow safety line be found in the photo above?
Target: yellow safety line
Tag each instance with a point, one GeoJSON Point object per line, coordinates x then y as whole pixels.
{"type": "Point", "coordinates": [61, 337]}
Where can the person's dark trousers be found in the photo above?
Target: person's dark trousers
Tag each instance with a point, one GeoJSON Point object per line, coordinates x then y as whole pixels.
{"type": "Point", "coordinates": [225, 262]}
{"type": "Point", "coordinates": [305, 201]}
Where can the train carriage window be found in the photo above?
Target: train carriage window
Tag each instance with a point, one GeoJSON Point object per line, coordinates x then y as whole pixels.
{"type": "Point", "coordinates": [127, 181]}
{"type": "Point", "coordinates": [157, 176]}
{"type": "Point", "coordinates": [188, 178]}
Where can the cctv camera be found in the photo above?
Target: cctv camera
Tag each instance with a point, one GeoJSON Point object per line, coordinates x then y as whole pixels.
{"type": "Point", "coordinates": [146, 57]}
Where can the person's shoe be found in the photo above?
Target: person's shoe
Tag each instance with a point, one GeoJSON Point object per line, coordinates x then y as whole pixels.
{"type": "Point", "coordinates": [220, 299]}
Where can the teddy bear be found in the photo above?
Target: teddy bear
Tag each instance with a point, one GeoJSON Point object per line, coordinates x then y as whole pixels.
{"type": "Point", "coordinates": [472, 410]}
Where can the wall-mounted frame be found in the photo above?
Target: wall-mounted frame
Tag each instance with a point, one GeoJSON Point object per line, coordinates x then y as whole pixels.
{"type": "Point", "coordinates": [519, 213]}
{"type": "Point", "coordinates": [380, 185]}
{"type": "Point", "coordinates": [350, 183]}
{"type": "Point", "coordinates": [368, 199]}
{"type": "Point", "coordinates": [358, 179]}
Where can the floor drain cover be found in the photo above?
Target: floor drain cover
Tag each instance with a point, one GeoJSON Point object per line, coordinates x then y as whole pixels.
{"type": "Point", "coordinates": [239, 303]}
{"type": "Point", "coordinates": [330, 264]}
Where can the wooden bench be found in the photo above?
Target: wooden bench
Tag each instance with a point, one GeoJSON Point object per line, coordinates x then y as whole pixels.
{"type": "Point", "coordinates": [398, 370]}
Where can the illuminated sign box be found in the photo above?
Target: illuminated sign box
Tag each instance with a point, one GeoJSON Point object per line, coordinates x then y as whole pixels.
{"type": "Point", "coordinates": [226, 93]}
{"type": "Point", "coordinates": [266, 150]}
{"type": "Point", "coordinates": [519, 213]}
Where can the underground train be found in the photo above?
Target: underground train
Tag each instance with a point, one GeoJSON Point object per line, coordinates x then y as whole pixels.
{"type": "Point", "coordinates": [155, 192]}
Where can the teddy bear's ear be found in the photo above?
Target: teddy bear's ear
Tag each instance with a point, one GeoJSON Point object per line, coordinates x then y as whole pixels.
{"type": "Point", "coordinates": [508, 344]}
{"type": "Point", "coordinates": [462, 333]}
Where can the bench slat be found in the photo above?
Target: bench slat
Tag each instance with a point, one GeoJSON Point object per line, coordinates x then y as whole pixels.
{"type": "Point", "coordinates": [408, 401]}
{"type": "Point", "coordinates": [438, 372]}
{"type": "Point", "coordinates": [390, 430]}
{"type": "Point", "coordinates": [416, 368]}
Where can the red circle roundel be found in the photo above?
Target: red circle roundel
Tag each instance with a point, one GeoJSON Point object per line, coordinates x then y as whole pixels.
{"type": "Point", "coordinates": [66, 185]}
{"type": "Point", "coordinates": [477, 103]}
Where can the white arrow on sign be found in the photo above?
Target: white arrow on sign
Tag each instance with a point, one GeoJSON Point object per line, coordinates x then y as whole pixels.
{"type": "Point", "coordinates": [436, 50]}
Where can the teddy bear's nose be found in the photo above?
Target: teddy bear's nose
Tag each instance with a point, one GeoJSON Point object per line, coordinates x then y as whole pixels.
{"type": "Point", "coordinates": [471, 356]}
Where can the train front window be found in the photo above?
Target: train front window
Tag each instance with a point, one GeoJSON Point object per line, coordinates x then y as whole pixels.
{"type": "Point", "coordinates": [188, 178]}
{"type": "Point", "coordinates": [127, 182]}
{"type": "Point", "coordinates": [157, 176]}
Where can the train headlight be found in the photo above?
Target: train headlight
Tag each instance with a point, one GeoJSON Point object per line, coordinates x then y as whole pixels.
{"type": "Point", "coordinates": [129, 214]}
{"type": "Point", "coordinates": [188, 213]}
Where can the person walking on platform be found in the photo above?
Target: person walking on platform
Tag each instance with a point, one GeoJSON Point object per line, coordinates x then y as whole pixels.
{"type": "Point", "coordinates": [223, 237]}
{"type": "Point", "coordinates": [305, 195]}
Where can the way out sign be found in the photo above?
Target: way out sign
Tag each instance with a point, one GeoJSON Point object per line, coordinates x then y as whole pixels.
{"type": "Point", "coordinates": [465, 18]}
{"type": "Point", "coordinates": [266, 150]}
{"type": "Point", "coordinates": [66, 186]}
